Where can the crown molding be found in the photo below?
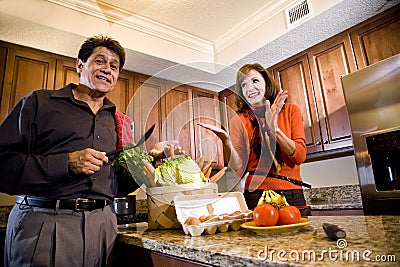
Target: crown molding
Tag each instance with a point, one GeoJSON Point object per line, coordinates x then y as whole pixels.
{"type": "Point", "coordinates": [138, 23]}
{"type": "Point", "coordinates": [251, 23]}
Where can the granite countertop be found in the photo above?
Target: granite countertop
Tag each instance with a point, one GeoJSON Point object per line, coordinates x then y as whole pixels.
{"type": "Point", "coordinates": [334, 197]}
{"type": "Point", "coordinates": [369, 237]}
{"type": "Point", "coordinates": [4, 212]}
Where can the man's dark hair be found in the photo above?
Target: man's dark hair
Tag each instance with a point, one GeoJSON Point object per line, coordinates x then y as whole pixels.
{"type": "Point", "coordinates": [100, 40]}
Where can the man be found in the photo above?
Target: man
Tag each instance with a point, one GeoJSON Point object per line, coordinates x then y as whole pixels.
{"type": "Point", "coordinates": [53, 155]}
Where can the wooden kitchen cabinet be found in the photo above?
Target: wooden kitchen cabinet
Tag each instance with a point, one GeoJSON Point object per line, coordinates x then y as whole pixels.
{"type": "Point", "coordinates": [207, 144]}
{"type": "Point", "coordinates": [3, 57]}
{"type": "Point", "coordinates": [24, 72]}
{"type": "Point", "coordinates": [227, 106]}
{"type": "Point", "coordinates": [178, 123]}
{"type": "Point", "coordinates": [377, 38]}
{"type": "Point", "coordinates": [185, 107]}
{"type": "Point", "coordinates": [227, 110]}
{"type": "Point", "coordinates": [328, 62]}
{"type": "Point", "coordinates": [122, 92]}
{"type": "Point", "coordinates": [313, 81]}
{"type": "Point", "coordinates": [131, 255]}
{"type": "Point", "coordinates": [147, 107]}
{"type": "Point", "coordinates": [294, 76]}
{"type": "Point", "coordinates": [65, 73]}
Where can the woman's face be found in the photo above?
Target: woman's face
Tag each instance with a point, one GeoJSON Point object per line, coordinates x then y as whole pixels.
{"type": "Point", "coordinates": [253, 87]}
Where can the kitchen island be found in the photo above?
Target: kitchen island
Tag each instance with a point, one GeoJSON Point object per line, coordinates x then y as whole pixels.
{"type": "Point", "coordinates": [370, 241]}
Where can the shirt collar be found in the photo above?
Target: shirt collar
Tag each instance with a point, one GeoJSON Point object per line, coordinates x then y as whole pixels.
{"type": "Point", "coordinates": [66, 92]}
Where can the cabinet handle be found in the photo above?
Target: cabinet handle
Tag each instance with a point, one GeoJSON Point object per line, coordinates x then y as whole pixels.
{"type": "Point", "coordinates": [318, 143]}
{"type": "Point", "coordinates": [326, 142]}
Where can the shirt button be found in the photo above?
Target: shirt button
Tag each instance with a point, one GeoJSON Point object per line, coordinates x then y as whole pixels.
{"type": "Point", "coordinates": [94, 178]}
{"type": "Point", "coordinates": [98, 137]}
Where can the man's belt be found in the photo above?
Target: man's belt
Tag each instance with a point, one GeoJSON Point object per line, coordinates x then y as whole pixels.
{"type": "Point", "coordinates": [285, 178]}
{"type": "Point", "coordinates": [78, 204]}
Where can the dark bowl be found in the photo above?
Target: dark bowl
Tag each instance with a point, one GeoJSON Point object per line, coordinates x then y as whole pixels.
{"type": "Point", "coordinates": [305, 211]}
{"type": "Point", "coordinates": [124, 205]}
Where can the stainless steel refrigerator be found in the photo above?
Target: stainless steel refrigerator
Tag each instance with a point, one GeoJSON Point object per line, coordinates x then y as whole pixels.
{"type": "Point", "coordinates": [372, 96]}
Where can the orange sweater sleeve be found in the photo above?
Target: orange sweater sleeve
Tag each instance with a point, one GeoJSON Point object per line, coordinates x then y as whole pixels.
{"type": "Point", "coordinates": [240, 142]}
{"type": "Point", "coordinates": [291, 123]}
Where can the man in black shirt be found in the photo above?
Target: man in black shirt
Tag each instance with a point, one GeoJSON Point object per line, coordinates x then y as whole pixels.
{"type": "Point", "coordinates": [53, 155]}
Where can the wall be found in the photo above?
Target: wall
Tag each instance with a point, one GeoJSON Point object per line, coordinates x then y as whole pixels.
{"type": "Point", "coordinates": [324, 173]}
{"type": "Point", "coordinates": [331, 172]}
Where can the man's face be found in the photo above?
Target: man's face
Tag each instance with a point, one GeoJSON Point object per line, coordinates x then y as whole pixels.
{"type": "Point", "coordinates": [100, 72]}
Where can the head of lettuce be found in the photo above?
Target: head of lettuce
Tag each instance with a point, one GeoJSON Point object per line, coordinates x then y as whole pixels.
{"type": "Point", "coordinates": [179, 170]}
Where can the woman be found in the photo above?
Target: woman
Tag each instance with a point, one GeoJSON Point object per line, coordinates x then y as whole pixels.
{"type": "Point", "coordinates": [266, 141]}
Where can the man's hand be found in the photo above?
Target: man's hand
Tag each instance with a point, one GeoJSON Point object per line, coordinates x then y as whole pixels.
{"type": "Point", "coordinates": [161, 150]}
{"type": "Point", "coordinates": [87, 161]}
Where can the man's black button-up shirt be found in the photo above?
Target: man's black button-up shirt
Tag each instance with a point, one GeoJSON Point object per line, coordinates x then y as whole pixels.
{"type": "Point", "coordinates": [37, 136]}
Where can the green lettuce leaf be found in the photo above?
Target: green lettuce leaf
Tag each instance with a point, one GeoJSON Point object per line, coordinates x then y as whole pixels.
{"type": "Point", "coordinates": [179, 170]}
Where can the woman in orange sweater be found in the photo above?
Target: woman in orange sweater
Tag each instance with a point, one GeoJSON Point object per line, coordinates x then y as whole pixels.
{"type": "Point", "coordinates": [266, 141]}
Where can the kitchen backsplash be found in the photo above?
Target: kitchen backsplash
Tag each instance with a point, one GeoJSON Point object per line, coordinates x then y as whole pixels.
{"type": "Point", "coordinates": [334, 197]}
{"type": "Point", "coordinates": [322, 198]}
{"type": "Point", "coordinates": [4, 211]}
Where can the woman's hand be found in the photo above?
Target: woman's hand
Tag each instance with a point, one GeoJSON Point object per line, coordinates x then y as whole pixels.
{"type": "Point", "coordinates": [231, 157]}
{"type": "Point", "coordinates": [287, 145]}
{"type": "Point", "coordinates": [222, 134]}
{"type": "Point", "coordinates": [271, 113]}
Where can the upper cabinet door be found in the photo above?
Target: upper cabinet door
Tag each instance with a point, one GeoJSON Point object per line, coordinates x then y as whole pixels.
{"type": "Point", "coordinates": [206, 110]}
{"type": "Point", "coordinates": [147, 107]}
{"type": "Point", "coordinates": [328, 62]}
{"type": "Point", "coordinates": [65, 73]}
{"type": "Point", "coordinates": [24, 73]}
{"type": "Point", "coordinates": [179, 117]}
{"type": "Point", "coordinates": [378, 39]}
{"type": "Point", "coordinates": [120, 95]}
{"type": "Point", "coordinates": [294, 76]}
{"type": "Point", "coordinates": [227, 106]}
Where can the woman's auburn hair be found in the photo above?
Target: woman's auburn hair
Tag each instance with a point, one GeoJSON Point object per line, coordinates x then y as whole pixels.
{"type": "Point", "coordinates": [271, 90]}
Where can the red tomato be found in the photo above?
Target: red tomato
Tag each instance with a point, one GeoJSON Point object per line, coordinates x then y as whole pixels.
{"type": "Point", "coordinates": [265, 215]}
{"type": "Point", "coordinates": [289, 215]}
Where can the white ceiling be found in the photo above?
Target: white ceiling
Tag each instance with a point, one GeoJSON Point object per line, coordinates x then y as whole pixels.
{"type": "Point", "coordinates": [189, 30]}
{"type": "Point", "coordinates": [206, 19]}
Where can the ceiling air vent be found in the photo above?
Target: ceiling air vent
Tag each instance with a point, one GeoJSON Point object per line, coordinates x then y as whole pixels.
{"type": "Point", "coordinates": [298, 12]}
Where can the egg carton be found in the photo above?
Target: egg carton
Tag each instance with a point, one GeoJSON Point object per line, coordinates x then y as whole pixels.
{"type": "Point", "coordinates": [228, 211]}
